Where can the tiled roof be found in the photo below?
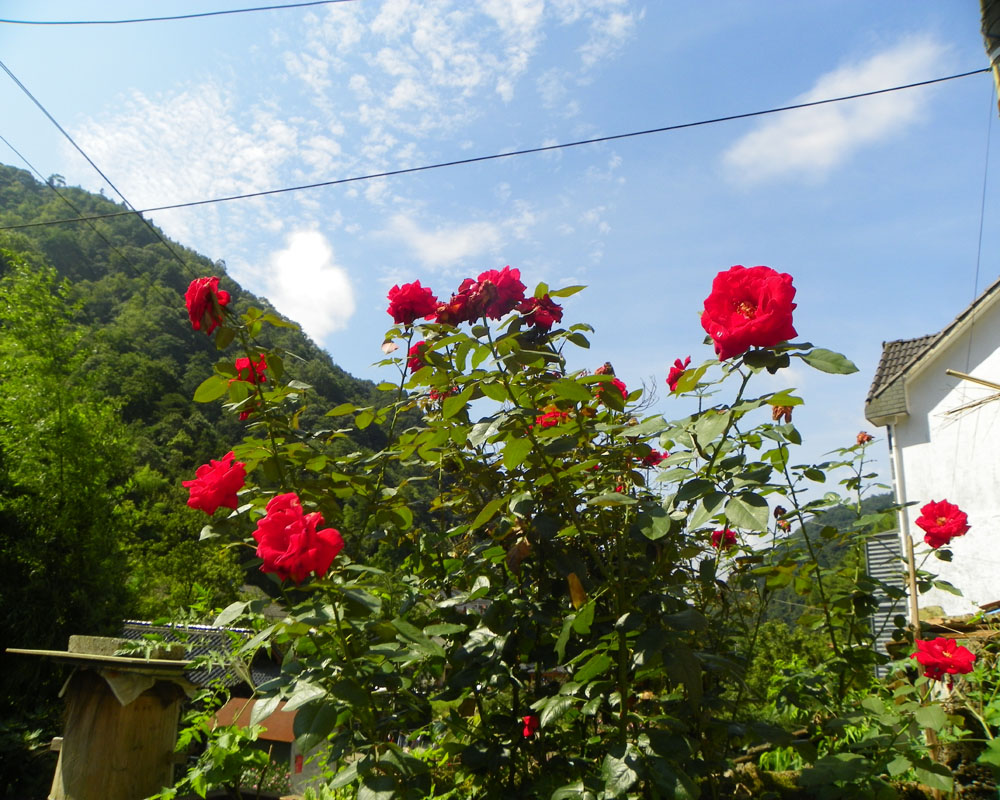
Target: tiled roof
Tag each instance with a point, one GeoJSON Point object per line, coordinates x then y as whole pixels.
{"type": "Point", "coordinates": [887, 396]}
{"type": "Point", "coordinates": [896, 355]}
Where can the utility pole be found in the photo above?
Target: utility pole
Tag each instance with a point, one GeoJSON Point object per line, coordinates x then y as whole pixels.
{"type": "Point", "coordinates": [991, 38]}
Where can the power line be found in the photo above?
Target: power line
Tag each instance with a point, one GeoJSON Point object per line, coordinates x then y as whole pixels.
{"type": "Point", "coordinates": [135, 269]}
{"type": "Point", "coordinates": [107, 180]}
{"type": "Point", "coordinates": [508, 154]}
{"type": "Point", "coordinates": [168, 19]}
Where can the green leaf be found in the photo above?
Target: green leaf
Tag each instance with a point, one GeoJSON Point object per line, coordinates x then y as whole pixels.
{"type": "Point", "coordinates": [572, 791]}
{"type": "Point", "coordinates": [487, 512]}
{"type": "Point", "coordinates": [567, 291]}
{"type": "Point", "coordinates": [785, 398]}
{"type": "Point", "coordinates": [828, 361]}
{"type": "Point", "coordinates": [305, 692]}
{"type": "Point", "coordinates": [690, 379]}
{"type": "Point", "coordinates": [931, 717]}
{"type": "Point", "coordinates": [262, 709]}
{"type": "Point", "coordinates": [710, 425]}
{"type": "Point", "coordinates": [346, 776]}
{"type": "Point", "coordinates": [452, 405]}
{"type": "Point", "coordinates": [937, 776]}
{"type": "Point", "coordinates": [230, 613]}
{"type": "Point", "coordinates": [341, 410]}
{"type": "Point", "coordinates": [571, 390]}
{"type": "Point", "coordinates": [584, 619]}
{"type": "Point", "coordinates": [375, 786]}
{"type": "Point", "coordinates": [364, 419]}
{"type": "Point", "coordinates": [212, 388]}
{"type": "Point", "coordinates": [278, 322]}
{"type": "Point", "coordinates": [748, 511]}
{"type": "Point", "coordinates": [618, 771]}
{"type": "Point", "coordinates": [445, 629]}
{"type": "Point", "coordinates": [515, 450]}
{"type": "Point", "coordinates": [707, 508]}
{"type": "Point", "coordinates": [224, 338]}
{"type": "Point", "coordinates": [554, 708]}
{"type": "Point", "coordinates": [598, 664]}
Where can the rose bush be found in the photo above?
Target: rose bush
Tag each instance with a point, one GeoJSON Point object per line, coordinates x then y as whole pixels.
{"type": "Point", "coordinates": [546, 574]}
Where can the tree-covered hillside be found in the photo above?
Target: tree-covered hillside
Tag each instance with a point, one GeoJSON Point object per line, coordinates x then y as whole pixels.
{"type": "Point", "coordinates": [98, 428]}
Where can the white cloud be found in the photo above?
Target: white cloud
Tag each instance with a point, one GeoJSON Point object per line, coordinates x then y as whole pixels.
{"type": "Point", "coordinates": [445, 247]}
{"type": "Point", "coordinates": [305, 283]}
{"type": "Point", "coordinates": [814, 141]}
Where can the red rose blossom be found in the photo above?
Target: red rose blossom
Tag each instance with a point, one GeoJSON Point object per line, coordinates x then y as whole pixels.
{"type": "Point", "coordinates": [540, 312]}
{"type": "Point", "coordinates": [615, 383]}
{"type": "Point", "coordinates": [749, 307]}
{"type": "Point", "coordinates": [552, 417]}
{"type": "Point", "coordinates": [941, 522]}
{"type": "Point", "coordinates": [250, 371]}
{"type": "Point", "coordinates": [864, 437]}
{"type": "Point", "coordinates": [415, 356]}
{"type": "Point", "coordinates": [943, 656]}
{"type": "Point", "coordinates": [409, 301]}
{"type": "Point", "coordinates": [724, 539]}
{"type": "Point", "coordinates": [290, 545]}
{"type": "Point", "coordinates": [654, 458]}
{"type": "Point", "coordinates": [205, 300]}
{"type": "Point", "coordinates": [502, 290]}
{"type": "Point", "coordinates": [215, 484]}
{"type": "Point", "coordinates": [676, 371]}
{"type": "Point", "coordinates": [530, 725]}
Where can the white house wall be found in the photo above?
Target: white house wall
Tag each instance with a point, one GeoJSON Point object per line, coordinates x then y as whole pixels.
{"type": "Point", "coordinates": [955, 457]}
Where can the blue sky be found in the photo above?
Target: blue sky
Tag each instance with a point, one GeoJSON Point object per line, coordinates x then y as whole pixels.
{"type": "Point", "coordinates": [872, 205]}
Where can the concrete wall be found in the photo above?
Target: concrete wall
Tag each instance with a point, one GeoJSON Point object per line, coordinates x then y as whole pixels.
{"type": "Point", "coordinates": [956, 456]}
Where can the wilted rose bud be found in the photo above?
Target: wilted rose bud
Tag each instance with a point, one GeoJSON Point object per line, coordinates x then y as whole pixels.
{"type": "Point", "coordinates": [605, 369]}
{"type": "Point", "coordinates": [864, 437]}
{"type": "Point", "coordinates": [777, 412]}
{"type": "Point", "coordinates": [779, 512]}
{"type": "Point", "coordinates": [784, 524]}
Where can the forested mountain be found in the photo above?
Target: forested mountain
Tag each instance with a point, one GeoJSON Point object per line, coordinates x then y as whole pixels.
{"type": "Point", "coordinates": [98, 367]}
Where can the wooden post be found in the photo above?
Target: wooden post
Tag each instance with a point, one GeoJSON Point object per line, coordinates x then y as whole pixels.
{"type": "Point", "coordinates": [121, 723]}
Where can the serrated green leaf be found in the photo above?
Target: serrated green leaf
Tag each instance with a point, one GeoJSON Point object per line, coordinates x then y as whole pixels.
{"type": "Point", "coordinates": [487, 512]}
{"type": "Point", "coordinates": [262, 709]}
{"type": "Point", "coordinates": [230, 613]}
{"type": "Point", "coordinates": [304, 692]}
{"type": "Point", "coordinates": [828, 361]}
{"type": "Point", "coordinates": [931, 717]}
{"type": "Point", "coordinates": [212, 388]}
{"type": "Point", "coordinates": [748, 511]}
{"type": "Point", "coordinates": [618, 771]}
{"type": "Point", "coordinates": [554, 709]}
{"type": "Point", "coordinates": [515, 450]}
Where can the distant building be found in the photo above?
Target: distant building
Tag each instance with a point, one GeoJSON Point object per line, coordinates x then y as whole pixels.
{"type": "Point", "coordinates": [944, 443]}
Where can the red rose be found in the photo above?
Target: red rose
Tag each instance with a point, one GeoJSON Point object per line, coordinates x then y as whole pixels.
{"type": "Point", "coordinates": [941, 522]}
{"type": "Point", "coordinates": [676, 371]}
{"type": "Point", "coordinates": [455, 311]}
{"type": "Point", "coordinates": [864, 437]}
{"type": "Point", "coordinates": [942, 656]}
{"type": "Point", "coordinates": [415, 356]}
{"type": "Point", "coordinates": [540, 312]}
{"type": "Point", "coordinates": [502, 289]}
{"type": "Point", "coordinates": [216, 484]}
{"type": "Point", "coordinates": [530, 725]}
{"type": "Point", "coordinates": [654, 458]}
{"type": "Point", "coordinates": [250, 371]}
{"type": "Point", "coordinates": [552, 417]}
{"type": "Point", "coordinates": [749, 307]}
{"type": "Point", "coordinates": [205, 300]}
{"type": "Point", "coordinates": [614, 382]}
{"type": "Point", "coordinates": [409, 301]}
{"type": "Point", "coordinates": [289, 543]}
{"type": "Point", "coordinates": [724, 539]}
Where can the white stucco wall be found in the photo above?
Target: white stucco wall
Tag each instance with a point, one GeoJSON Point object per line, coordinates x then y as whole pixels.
{"type": "Point", "coordinates": [956, 456]}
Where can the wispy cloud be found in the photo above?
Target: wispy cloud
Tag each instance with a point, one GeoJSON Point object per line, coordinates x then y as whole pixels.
{"type": "Point", "coordinates": [814, 141]}
{"type": "Point", "coordinates": [305, 283]}
{"type": "Point", "coordinates": [444, 247]}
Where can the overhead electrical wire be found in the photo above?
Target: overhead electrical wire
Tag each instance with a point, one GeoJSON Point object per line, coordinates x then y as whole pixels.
{"type": "Point", "coordinates": [63, 131]}
{"type": "Point", "coordinates": [62, 196]}
{"type": "Point", "coordinates": [197, 15]}
{"type": "Point", "coordinates": [494, 156]}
